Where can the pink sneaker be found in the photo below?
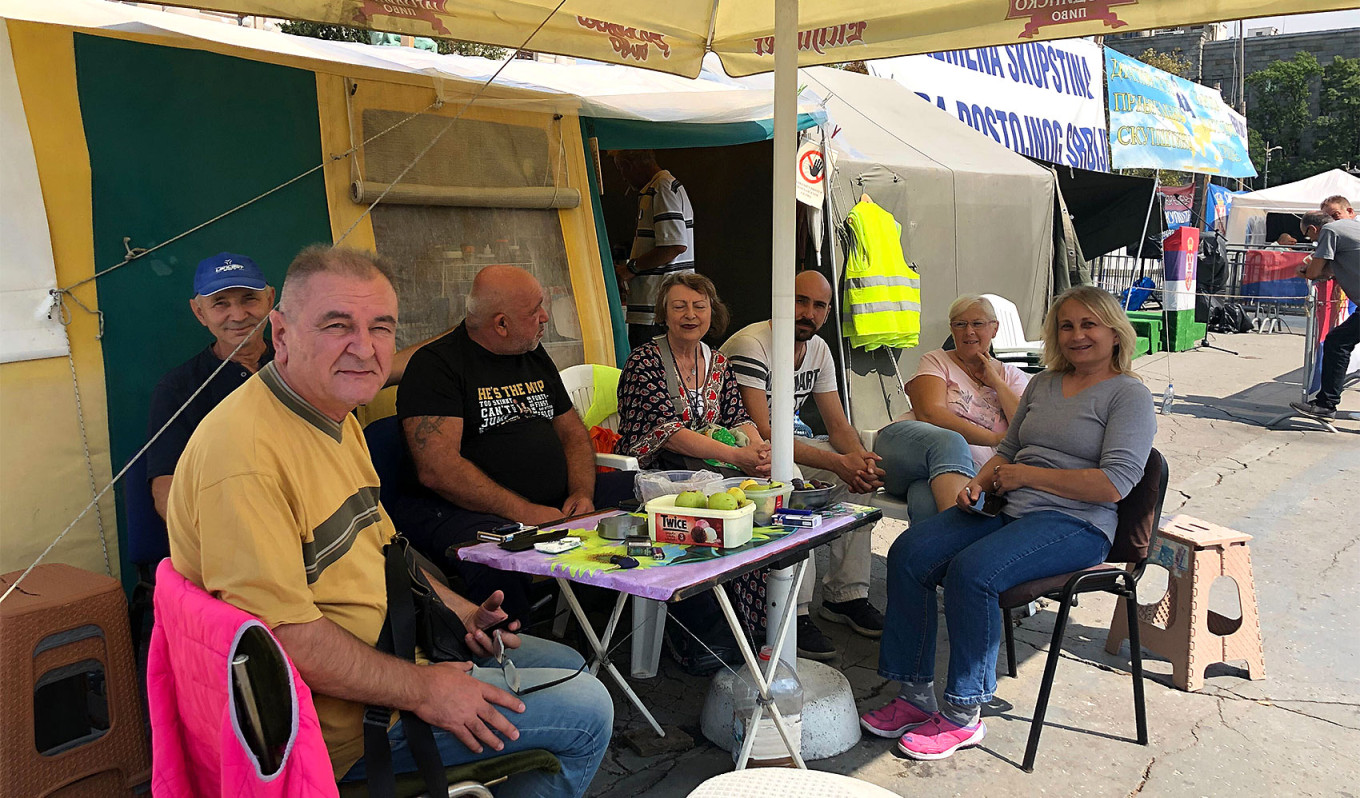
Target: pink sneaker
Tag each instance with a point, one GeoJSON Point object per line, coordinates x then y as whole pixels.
{"type": "Point", "coordinates": [939, 738]}
{"type": "Point", "coordinates": [895, 717]}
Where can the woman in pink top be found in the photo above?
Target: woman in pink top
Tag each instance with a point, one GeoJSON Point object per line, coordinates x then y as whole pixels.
{"type": "Point", "coordinates": [962, 400]}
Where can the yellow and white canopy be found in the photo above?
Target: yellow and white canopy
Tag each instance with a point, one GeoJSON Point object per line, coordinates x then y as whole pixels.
{"type": "Point", "coordinates": [674, 35]}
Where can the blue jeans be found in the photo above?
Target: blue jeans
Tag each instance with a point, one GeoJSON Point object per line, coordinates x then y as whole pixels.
{"type": "Point", "coordinates": [572, 720]}
{"type": "Point", "coordinates": [976, 559]}
{"type": "Point", "coordinates": [914, 453]}
{"type": "Point", "coordinates": [1336, 357]}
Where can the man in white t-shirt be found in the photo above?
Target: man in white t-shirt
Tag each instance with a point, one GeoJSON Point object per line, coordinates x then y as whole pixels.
{"type": "Point", "coordinates": [841, 459]}
{"type": "Point", "coordinates": [663, 242]}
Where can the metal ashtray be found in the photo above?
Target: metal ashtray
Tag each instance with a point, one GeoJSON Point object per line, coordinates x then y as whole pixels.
{"type": "Point", "coordinates": [619, 527]}
{"type": "Point", "coordinates": [811, 498]}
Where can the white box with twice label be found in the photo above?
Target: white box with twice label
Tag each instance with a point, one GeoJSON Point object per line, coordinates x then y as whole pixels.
{"type": "Point", "coordinates": [695, 526]}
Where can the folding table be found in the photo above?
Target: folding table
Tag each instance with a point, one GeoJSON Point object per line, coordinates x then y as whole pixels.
{"type": "Point", "coordinates": [686, 571]}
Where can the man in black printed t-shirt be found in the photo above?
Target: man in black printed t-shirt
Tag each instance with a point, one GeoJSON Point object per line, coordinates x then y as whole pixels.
{"type": "Point", "coordinates": [493, 433]}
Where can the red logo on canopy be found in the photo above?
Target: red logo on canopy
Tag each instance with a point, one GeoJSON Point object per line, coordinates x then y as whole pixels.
{"type": "Point", "coordinates": [414, 10]}
{"type": "Point", "coordinates": [628, 42]}
{"type": "Point", "coordinates": [1060, 12]}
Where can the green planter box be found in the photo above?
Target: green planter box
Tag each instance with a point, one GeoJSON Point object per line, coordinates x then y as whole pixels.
{"type": "Point", "coordinates": [1148, 324]}
{"type": "Point", "coordinates": [1186, 334]}
{"type": "Point", "coordinates": [1176, 331]}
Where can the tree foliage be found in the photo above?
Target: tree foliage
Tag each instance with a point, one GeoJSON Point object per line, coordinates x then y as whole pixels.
{"type": "Point", "coordinates": [1172, 62]}
{"type": "Point", "coordinates": [1280, 114]}
{"type": "Point", "coordinates": [1339, 104]}
{"type": "Point", "coordinates": [342, 33]}
{"type": "Point", "coordinates": [331, 33]}
{"type": "Point", "coordinates": [858, 67]}
{"type": "Point", "coordinates": [447, 46]}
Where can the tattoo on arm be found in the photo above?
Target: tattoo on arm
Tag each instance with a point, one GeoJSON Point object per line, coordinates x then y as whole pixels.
{"type": "Point", "coordinates": [426, 427]}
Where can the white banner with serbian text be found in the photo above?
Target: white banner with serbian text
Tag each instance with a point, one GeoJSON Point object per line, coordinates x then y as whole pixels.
{"type": "Point", "coordinates": [1041, 99]}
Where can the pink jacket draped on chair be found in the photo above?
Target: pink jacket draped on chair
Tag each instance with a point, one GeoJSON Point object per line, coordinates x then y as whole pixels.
{"type": "Point", "coordinates": [198, 746]}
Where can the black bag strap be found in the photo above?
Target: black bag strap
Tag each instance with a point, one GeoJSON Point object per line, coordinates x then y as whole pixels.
{"type": "Point", "coordinates": [398, 637]}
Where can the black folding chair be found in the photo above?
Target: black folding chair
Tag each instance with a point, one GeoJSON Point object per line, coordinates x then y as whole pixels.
{"type": "Point", "coordinates": [1140, 515]}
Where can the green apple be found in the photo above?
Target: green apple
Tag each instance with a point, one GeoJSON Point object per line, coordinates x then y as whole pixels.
{"type": "Point", "coordinates": [739, 493]}
{"type": "Point", "coordinates": [691, 498]}
{"type": "Point", "coordinates": [722, 501]}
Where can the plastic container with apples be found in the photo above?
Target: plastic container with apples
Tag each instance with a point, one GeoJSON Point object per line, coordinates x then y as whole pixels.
{"type": "Point", "coordinates": [722, 520]}
{"type": "Point", "coordinates": [768, 496]}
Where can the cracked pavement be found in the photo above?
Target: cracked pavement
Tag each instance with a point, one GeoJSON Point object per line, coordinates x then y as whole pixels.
{"type": "Point", "coordinates": [1287, 734]}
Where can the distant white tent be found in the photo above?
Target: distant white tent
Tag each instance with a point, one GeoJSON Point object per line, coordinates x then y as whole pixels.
{"type": "Point", "coordinates": [1247, 219]}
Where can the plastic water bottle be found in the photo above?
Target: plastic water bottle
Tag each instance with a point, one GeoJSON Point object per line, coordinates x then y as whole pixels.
{"type": "Point", "coordinates": [787, 692]}
{"type": "Point", "coordinates": [1168, 398]}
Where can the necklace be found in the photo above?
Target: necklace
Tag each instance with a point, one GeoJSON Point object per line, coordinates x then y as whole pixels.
{"type": "Point", "coordinates": [974, 373]}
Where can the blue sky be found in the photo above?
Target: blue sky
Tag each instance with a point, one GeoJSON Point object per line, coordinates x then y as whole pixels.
{"type": "Point", "coordinates": [1299, 23]}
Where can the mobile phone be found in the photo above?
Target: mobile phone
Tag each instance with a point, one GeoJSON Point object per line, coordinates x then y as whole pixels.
{"type": "Point", "coordinates": [506, 533]}
{"type": "Point", "coordinates": [527, 541]}
{"type": "Point", "coordinates": [988, 504]}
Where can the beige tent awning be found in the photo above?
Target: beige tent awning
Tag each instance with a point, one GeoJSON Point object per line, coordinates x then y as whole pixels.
{"type": "Point", "coordinates": [673, 36]}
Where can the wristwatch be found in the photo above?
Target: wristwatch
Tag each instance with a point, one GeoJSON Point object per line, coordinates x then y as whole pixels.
{"type": "Point", "coordinates": [631, 266]}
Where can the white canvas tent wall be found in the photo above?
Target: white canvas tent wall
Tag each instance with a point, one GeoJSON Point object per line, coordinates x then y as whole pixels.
{"type": "Point", "coordinates": [976, 217]}
{"type": "Point", "coordinates": [1247, 219]}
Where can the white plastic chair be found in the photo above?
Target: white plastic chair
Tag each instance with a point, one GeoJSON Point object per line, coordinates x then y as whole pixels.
{"type": "Point", "coordinates": [649, 617]}
{"type": "Point", "coordinates": [1010, 343]}
{"type": "Point", "coordinates": [580, 385]}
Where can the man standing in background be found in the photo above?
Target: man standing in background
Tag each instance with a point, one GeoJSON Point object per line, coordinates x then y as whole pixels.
{"type": "Point", "coordinates": [663, 242]}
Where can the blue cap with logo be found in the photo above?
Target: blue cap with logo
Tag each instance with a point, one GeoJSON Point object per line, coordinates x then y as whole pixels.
{"type": "Point", "coordinates": [226, 270]}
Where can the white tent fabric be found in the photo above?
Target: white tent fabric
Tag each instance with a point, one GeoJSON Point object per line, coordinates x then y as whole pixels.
{"type": "Point", "coordinates": [1247, 219]}
{"type": "Point", "coordinates": [27, 271]}
{"type": "Point", "coordinates": [976, 217]}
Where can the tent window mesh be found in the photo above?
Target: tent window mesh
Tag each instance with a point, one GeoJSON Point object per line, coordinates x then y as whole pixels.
{"type": "Point", "coordinates": [472, 153]}
{"type": "Point", "coordinates": [438, 250]}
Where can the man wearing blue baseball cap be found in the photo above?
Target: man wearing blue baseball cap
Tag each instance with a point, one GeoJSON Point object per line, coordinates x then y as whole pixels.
{"type": "Point", "coordinates": [231, 298]}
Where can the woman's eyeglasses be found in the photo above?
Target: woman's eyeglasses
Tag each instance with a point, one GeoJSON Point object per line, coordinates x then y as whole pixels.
{"type": "Point", "coordinates": [962, 326]}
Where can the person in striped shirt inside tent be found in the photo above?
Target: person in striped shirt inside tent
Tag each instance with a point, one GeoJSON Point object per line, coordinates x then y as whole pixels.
{"type": "Point", "coordinates": [663, 243]}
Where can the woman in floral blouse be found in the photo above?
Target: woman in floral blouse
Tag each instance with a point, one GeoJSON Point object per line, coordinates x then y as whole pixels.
{"type": "Point", "coordinates": [675, 387]}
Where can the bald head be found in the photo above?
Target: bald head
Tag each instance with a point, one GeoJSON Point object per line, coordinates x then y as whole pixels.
{"type": "Point", "coordinates": [505, 311]}
{"type": "Point", "coordinates": [812, 302]}
{"type": "Point", "coordinates": [812, 283]}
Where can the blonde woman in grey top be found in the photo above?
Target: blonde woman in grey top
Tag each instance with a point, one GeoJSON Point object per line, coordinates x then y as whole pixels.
{"type": "Point", "coordinates": [1076, 445]}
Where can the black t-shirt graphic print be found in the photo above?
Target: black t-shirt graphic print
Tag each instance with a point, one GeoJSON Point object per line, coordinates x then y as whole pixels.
{"type": "Point", "coordinates": [507, 404]}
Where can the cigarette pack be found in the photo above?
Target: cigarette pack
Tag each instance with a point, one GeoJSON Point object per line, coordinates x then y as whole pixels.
{"type": "Point", "coordinates": [797, 519]}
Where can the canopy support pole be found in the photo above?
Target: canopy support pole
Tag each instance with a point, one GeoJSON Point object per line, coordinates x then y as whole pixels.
{"type": "Point", "coordinates": [783, 226]}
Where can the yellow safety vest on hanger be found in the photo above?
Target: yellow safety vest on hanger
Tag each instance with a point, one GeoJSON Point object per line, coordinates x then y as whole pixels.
{"type": "Point", "coordinates": [881, 300]}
